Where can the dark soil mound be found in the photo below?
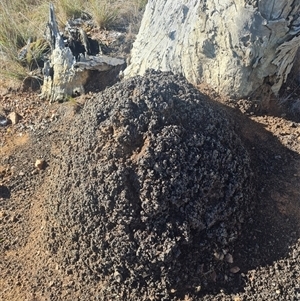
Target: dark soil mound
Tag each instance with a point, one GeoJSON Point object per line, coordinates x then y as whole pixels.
{"type": "Point", "coordinates": [151, 183]}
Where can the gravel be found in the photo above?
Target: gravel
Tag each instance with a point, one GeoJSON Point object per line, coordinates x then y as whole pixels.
{"type": "Point", "coordinates": [148, 192]}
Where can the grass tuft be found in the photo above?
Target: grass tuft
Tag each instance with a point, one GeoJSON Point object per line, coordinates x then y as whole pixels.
{"type": "Point", "coordinates": [69, 9]}
{"type": "Point", "coordinates": [103, 12]}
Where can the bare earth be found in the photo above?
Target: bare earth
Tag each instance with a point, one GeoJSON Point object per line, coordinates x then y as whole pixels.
{"type": "Point", "coordinates": [266, 262]}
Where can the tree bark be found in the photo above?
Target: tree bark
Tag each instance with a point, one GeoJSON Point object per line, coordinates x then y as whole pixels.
{"type": "Point", "coordinates": [238, 47]}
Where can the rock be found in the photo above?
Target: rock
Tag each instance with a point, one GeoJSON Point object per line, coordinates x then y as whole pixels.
{"type": "Point", "coordinates": [40, 164]}
{"type": "Point", "coordinates": [229, 258]}
{"type": "Point", "coordinates": [234, 270]}
{"type": "Point", "coordinates": [4, 192]}
{"type": "Point", "coordinates": [14, 117]}
{"type": "Point", "coordinates": [3, 121]}
{"type": "Point", "coordinates": [219, 256]}
{"type": "Point", "coordinates": [14, 218]}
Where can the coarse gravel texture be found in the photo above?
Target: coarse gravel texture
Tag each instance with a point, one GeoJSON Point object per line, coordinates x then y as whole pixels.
{"type": "Point", "coordinates": [151, 184]}
{"type": "Point", "coordinates": [263, 263]}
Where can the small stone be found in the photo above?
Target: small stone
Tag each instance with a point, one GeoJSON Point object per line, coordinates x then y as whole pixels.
{"type": "Point", "coordinates": [40, 164]}
{"type": "Point", "coordinates": [278, 292]}
{"type": "Point", "coordinates": [229, 258]}
{"type": "Point", "coordinates": [34, 172]}
{"type": "Point", "coordinates": [4, 192]}
{"type": "Point", "coordinates": [213, 276]}
{"type": "Point", "coordinates": [234, 270]}
{"type": "Point", "coordinates": [14, 117]}
{"type": "Point", "coordinates": [51, 283]}
{"type": "Point", "coordinates": [118, 277]}
{"type": "Point", "coordinates": [54, 116]}
{"type": "Point", "coordinates": [219, 256]}
{"type": "Point", "coordinates": [198, 289]}
{"type": "Point", "coordinates": [13, 219]}
{"type": "Point", "coordinates": [3, 121]}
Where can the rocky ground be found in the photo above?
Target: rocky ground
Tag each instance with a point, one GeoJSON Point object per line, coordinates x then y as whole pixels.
{"type": "Point", "coordinates": [47, 250]}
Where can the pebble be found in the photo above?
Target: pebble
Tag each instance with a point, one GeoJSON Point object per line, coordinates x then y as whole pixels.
{"type": "Point", "coordinates": [219, 256]}
{"type": "Point", "coordinates": [2, 214]}
{"type": "Point", "coordinates": [14, 117]}
{"type": "Point", "coordinates": [234, 270]}
{"type": "Point", "coordinates": [34, 172]}
{"type": "Point", "coordinates": [51, 283]}
{"type": "Point", "coordinates": [229, 258]}
{"type": "Point", "coordinates": [13, 219]}
{"type": "Point", "coordinates": [40, 164]}
{"type": "Point", "coordinates": [3, 121]}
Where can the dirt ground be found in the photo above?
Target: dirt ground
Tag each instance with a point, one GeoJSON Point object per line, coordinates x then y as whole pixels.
{"type": "Point", "coordinates": [266, 262]}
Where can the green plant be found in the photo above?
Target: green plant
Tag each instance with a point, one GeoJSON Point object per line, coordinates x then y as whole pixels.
{"type": "Point", "coordinates": [103, 12]}
{"type": "Point", "coordinates": [35, 54]}
{"type": "Point", "coordinates": [68, 9]}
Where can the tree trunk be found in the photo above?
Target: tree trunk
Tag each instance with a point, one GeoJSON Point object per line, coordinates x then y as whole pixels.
{"type": "Point", "coordinates": [238, 47]}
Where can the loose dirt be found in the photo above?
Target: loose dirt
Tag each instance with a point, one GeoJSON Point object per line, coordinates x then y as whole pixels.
{"type": "Point", "coordinates": [39, 254]}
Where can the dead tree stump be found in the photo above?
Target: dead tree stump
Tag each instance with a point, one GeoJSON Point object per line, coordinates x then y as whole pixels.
{"type": "Point", "coordinates": [64, 74]}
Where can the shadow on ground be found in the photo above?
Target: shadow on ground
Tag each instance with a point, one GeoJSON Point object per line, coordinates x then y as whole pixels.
{"type": "Point", "coordinates": [273, 230]}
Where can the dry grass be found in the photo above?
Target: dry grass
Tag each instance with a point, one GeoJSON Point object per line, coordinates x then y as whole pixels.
{"type": "Point", "coordinates": [20, 21]}
{"type": "Point", "coordinates": [24, 20]}
{"type": "Point", "coordinates": [68, 9]}
{"type": "Point", "coordinates": [103, 12]}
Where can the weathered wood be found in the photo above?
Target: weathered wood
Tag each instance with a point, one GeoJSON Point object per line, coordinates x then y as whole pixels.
{"type": "Point", "coordinates": [64, 75]}
{"type": "Point", "coordinates": [238, 47]}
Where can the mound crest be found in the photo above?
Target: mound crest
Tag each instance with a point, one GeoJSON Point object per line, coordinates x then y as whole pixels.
{"type": "Point", "coordinates": [151, 182]}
